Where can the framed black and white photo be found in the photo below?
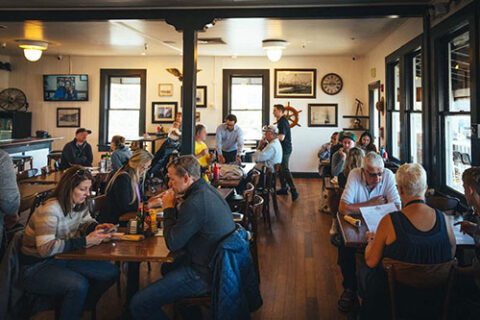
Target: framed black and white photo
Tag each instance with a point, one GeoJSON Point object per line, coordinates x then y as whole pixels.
{"type": "Point", "coordinates": [68, 117]}
{"type": "Point", "coordinates": [323, 115]}
{"type": "Point", "coordinates": [197, 116]}
{"type": "Point", "coordinates": [163, 112]}
{"type": "Point", "coordinates": [296, 83]}
{"type": "Point", "coordinates": [165, 90]}
{"type": "Point", "coordinates": [201, 96]}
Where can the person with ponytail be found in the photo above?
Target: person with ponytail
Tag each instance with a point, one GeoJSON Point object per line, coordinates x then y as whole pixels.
{"type": "Point", "coordinates": [123, 190]}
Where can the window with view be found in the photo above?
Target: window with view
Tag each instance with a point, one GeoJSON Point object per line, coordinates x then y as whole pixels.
{"type": "Point", "coordinates": [247, 105]}
{"type": "Point", "coordinates": [416, 132]}
{"type": "Point", "coordinates": [458, 150]}
{"type": "Point", "coordinates": [122, 107]}
{"type": "Point", "coordinates": [396, 141]}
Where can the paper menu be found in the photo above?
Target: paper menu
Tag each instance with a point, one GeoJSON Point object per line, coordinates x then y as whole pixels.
{"type": "Point", "coordinates": [372, 215]}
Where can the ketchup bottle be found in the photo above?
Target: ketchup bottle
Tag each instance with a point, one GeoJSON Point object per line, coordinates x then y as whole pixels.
{"type": "Point", "coordinates": [216, 172]}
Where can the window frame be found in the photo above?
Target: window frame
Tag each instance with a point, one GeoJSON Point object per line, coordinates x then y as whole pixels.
{"type": "Point", "coordinates": [105, 75]}
{"type": "Point", "coordinates": [403, 57]}
{"type": "Point", "coordinates": [228, 74]}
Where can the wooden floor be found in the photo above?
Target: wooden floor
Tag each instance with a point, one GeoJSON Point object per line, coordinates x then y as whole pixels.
{"type": "Point", "coordinates": [299, 275]}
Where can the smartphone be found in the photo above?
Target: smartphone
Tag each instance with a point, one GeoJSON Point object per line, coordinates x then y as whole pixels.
{"type": "Point", "coordinates": [112, 229]}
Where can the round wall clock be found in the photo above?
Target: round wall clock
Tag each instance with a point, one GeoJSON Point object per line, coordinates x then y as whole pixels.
{"type": "Point", "coordinates": [332, 83]}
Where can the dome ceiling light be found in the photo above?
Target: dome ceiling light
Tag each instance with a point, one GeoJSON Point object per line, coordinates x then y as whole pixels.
{"type": "Point", "coordinates": [274, 48]}
{"type": "Point", "coordinates": [32, 49]}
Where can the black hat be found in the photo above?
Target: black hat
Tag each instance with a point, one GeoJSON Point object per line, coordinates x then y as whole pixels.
{"type": "Point", "coordinates": [80, 130]}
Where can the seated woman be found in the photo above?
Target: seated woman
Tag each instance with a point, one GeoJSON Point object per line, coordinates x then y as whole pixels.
{"type": "Point", "coordinates": [63, 224]}
{"type": "Point", "coordinates": [417, 234]}
{"type": "Point", "coordinates": [121, 153]}
{"type": "Point", "coordinates": [354, 160]}
{"type": "Point", "coordinates": [201, 149]}
{"type": "Point", "coordinates": [366, 142]}
{"type": "Point", "coordinates": [123, 190]}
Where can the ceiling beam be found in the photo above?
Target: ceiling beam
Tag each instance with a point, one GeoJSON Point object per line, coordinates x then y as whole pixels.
{"type": "Point", "coordinates": [100, 14]}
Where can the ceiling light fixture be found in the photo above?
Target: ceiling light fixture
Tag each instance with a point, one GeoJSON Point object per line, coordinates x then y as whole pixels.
{"type": "Point", "coordinates": [32, 50]}
{"type": "Point", "coordinates": [274, 48]}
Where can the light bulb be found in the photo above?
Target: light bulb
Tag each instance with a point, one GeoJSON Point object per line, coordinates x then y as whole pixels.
{"type": "Point", "coordinates": [274, 54]}
{"type": "Point", "coordinates": [32, 54]}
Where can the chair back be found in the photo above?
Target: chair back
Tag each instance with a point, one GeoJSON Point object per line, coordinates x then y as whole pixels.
{"type": "Point", "coordinates": [37, 201]}
{"type": "Point", "coordinates": [26, 174]}
{"type": "Point", "coordinates": [255, 178]}
{"type": "Point", "coordinates": [446, 204]}
{"type": "Point", "coordinates": [96, 205]}
{"type": "Point", "coordinates": [248, 194]}
{"type": "Point", "coordinates": [419, 277]}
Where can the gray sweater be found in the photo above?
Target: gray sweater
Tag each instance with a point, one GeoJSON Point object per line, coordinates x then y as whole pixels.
{"type": "Point", "coordinates": [9, 194]}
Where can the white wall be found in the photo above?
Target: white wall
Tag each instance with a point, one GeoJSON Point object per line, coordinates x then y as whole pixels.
{"type": "Point", "coordinates": [28, 77]}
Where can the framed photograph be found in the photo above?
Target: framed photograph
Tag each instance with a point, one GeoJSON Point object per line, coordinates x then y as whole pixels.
{"type": "Point", "coordinates": [296, 83]}
{"type": "Point", "coordinates": [65, 87]}
{"type": "Point", "coordinates": [197, 116]}
{"type": "Point", "coordinates": [201, 96]}
{"type": "Point", "coordinates": [68, 117]}
{"type": "Point", "coordinates": [164, 112]}
{"type": "Point", "coordinates": [323, 115]}
{"type": "Point", "coordinates": [165, 89]}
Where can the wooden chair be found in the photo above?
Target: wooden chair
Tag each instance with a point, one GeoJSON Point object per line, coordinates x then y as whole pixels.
{"type": "Point", "coordinates": [55, 156]}
{"type": "Point", "coordinates": [30, 173]}
{"type": "Point", "coordinates": [252, 227]}
{"type": "Point", "coordinates": [96, 205]}
{"type": "Point", "coordinates": [446, 204]}
{"type": "Point", "coordinates": [268, 191]}
{"type": "Point", "coordinates": [36, 202]}
{"type": "Point", "coordinates": [435, 277]}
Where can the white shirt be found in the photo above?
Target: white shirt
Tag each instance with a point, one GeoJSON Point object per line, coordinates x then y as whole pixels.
{"type": "Point", "coordinates": [270, 155]}
{"type": "Point", "coordinates": [357, 191]}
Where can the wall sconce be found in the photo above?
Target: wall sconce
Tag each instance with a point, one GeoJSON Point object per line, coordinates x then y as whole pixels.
{"type": "Point", "coordinates": [274, 48]}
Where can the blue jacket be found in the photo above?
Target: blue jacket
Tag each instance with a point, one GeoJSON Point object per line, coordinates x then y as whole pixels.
{"type": "Point", "coordinates": [235, 290]}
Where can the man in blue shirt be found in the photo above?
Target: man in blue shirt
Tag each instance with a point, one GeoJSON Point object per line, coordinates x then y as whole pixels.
{"type": "Point", "coordinates": [285, 137]}
{"type": "Point", "coordinates": [229, 138]}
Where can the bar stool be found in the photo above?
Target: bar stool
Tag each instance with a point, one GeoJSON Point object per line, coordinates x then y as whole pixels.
{"type": "Point", "coordinates": [55, 156]}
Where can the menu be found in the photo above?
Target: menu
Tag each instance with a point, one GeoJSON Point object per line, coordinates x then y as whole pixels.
{"type": "Point", "coordinates": [372, 215]}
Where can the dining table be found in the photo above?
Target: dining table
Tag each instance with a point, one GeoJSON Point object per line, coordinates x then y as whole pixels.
{"type": "Point", "coordinates": [150, 249]}
{"type": "Point", "coordinates": [55, 176]}
{"type": "Point", "coordinates": [232, 183]}
{"type": "Point", "coordinates": [355, 237]}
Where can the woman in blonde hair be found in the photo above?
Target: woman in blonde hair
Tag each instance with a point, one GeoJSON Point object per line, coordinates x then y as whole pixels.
{"type": "Point", "coordinates": [354, 160]}
{"type": "Point", "coordinates": [123, 190]}
{"type": "Point", "coordinates": [121, 153]}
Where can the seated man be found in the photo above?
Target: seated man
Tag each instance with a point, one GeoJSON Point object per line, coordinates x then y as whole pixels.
{"type": "Point", "coordinates": [347, 140]}
{"type": "Point", "coordinates": [367, 186]}
{"type": "Point", "coordinates": [196, 229]}
{"type": "Point", "coordinates": [78, 151]}
{"type": "Point", "coordinates": [269, 153]}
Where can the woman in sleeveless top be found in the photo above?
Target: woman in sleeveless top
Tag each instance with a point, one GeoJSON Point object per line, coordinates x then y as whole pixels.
{"type": "Point", "coordinates": [418, 234]}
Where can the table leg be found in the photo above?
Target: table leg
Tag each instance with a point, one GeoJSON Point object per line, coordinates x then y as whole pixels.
{"type": "Point", "coordinates": [133, 279]}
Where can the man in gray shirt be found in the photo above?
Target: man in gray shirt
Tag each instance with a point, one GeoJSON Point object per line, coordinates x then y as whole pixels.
{"type": "Point", "coordinates": [9, 194]}
{"type": "Point", "coordinates": [229, 139]}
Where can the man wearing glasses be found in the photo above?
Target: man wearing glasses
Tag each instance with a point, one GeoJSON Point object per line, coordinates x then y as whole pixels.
{"type": "Point", "coordinates": [367, 186]}
{"type": "Point", "coordinates": [229, 139]}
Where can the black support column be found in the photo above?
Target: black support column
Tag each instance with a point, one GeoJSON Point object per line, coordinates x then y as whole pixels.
{"type": "Point", "coordinates": [190, 28]}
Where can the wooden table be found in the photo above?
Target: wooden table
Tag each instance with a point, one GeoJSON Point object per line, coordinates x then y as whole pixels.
{"type": "Point", "coordinates": [28, 190]}
{"type": "Point", "coordinates": [54, 177]}
{"type": "Point", "coordinates": [354, 237]}
{"type": "Point", "coordinates": [232, 183]}
{"type": "Point", "coordinates": [152, 249]}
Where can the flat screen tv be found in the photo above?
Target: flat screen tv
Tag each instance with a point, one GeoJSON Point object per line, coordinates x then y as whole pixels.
{"type": "Point", "coordinates": [65, 87]}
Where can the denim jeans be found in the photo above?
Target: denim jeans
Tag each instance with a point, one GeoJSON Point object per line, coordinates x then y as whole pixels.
{"type": "Point", "coordinates": [78, 283]}
{"type": "Point", "coordinates": [285, 174]}
{"type": "Point", "coordinates": [179, 281]}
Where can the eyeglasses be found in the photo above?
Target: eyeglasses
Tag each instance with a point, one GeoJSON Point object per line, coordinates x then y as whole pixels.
{"type": "Point", "coordinates": [375, 174]}
{"type": "Point", "coordinates": [80, 172]}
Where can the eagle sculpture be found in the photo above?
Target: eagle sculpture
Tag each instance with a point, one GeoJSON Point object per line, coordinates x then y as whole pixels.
{"type": "Point", "coordinates": [177, 72]}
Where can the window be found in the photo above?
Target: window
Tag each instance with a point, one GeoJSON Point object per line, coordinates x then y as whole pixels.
{"type": "Point", "coordinates": [373, 98]}
{"type": "Point", "coordinates": [416, 131]}
{"type": "Point", "coordinates": [247, 105]}
{"type": "Point", "coordinates": [122, 107]}
{"type": "Point", "coordinates": [395, 114]}
{"type": "Point", "coordinates": [458, 147]}
{"type": "Point", "coordinates": [246, 95]}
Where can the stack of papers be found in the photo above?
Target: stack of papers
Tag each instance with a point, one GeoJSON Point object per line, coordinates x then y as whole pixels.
{"type": "Point", "coordinates": [372, 215]}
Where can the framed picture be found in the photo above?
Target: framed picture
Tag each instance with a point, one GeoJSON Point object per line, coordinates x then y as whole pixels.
{"type": "Point", "coordinates": [68, 117]}
{"type": "Point", "coordinates": [201, 96]}
{"type": "Point", "coordinates": [296, 83]}
{"type": "Point", "coordinates": [165, 89]}
{"type": "Point", "coordinates": [197, 116]}
{"type": "Point", "coordinates": [163, 112]}
{"type": "Point", "coordinates": [323, 115]}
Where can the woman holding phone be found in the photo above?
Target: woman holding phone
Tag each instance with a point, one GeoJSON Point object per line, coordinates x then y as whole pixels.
{"type": "Point", "coordinates": [62, 224]}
